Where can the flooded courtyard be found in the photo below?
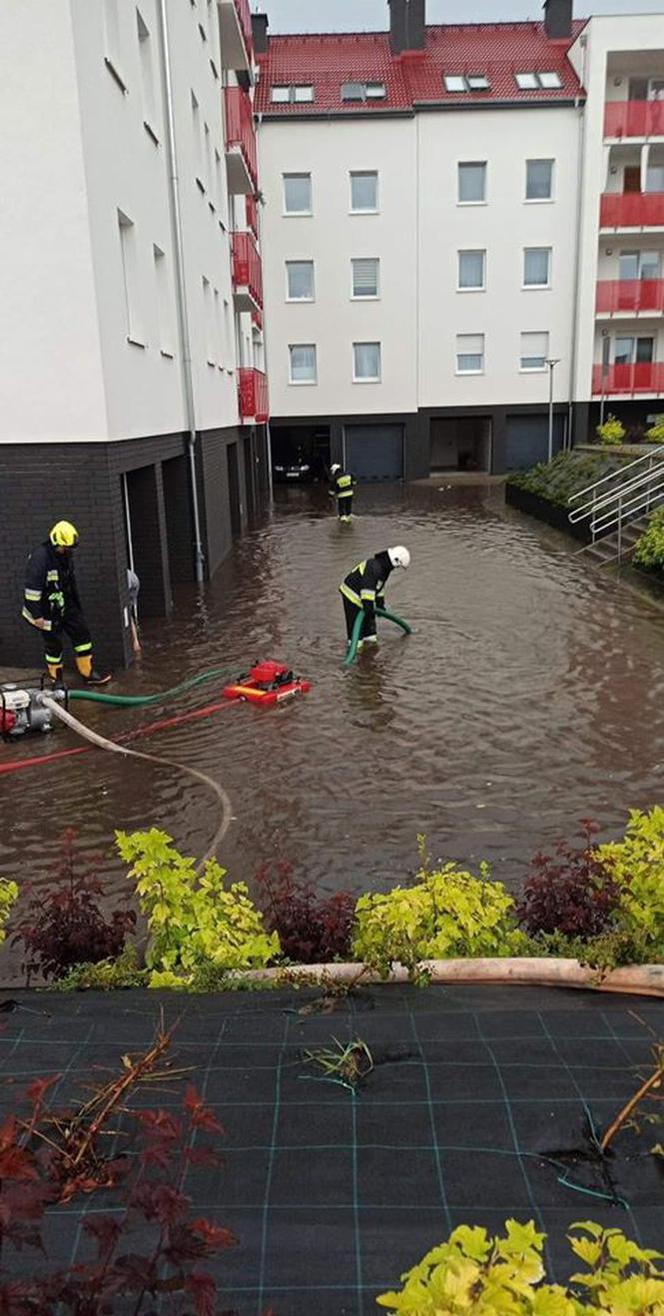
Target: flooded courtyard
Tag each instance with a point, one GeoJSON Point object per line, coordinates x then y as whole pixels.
{"type": "Point", "coordinates": [529, 696]}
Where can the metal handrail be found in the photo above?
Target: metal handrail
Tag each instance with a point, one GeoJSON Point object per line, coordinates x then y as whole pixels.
{"type": "Point", "coordinates": [607, 499]}
{"type": "Point", "coordinates": [620, 510]}
{"type": "Point", "coordinates": [647, 456]}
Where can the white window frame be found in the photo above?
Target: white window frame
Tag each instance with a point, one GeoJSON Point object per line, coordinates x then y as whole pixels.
{"type": "Point", "coordinates": [537, 287]}
{"type": "Point", "coordinates": [370, 297]}
{"type": "Point", "coordinates": [131, 277]}
{"type": "Point", "coordinates": [293, 94]}
{"type": "Point", "coordinates": [474, 164]}
{"type": "Point", "coordinates": [541, 200]}
{"type": "Point", "coordinates": [148, 80]}
{"type": "Point", "coordinates": [163, 301]}
{"type": "Point", "coordinates": [364, 173]}
{"type": "Point", "coordinates": [302, 383]}
{"type": "Point", "coordinates": [534, 370]}
{"type": "Point", "coordinates": [297, 300]}
{"type": "Point", "coordinates": [466, 81]}
{"type": "Point", "coordinates": [536, 77]}
{"type": "Point", "coordinates": [472, 251]}
{"type": "Point", "coordinates": [208, 321]}
{"type": "Point", "coordinates": [370, 89]}
{"type": "Point", "coordinates": [297, 214]}
{"type": "Point", "coordinates": [368, 379]}
{"type": "Point", "coordinates": [458, 354]}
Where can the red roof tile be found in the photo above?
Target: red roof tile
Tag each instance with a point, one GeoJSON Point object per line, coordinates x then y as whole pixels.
{"type": "Point", "coordinates": [498, 50]}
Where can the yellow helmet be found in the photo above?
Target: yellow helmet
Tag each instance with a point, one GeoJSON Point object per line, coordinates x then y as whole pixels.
{"type": "Point", "coordinates": [64, 535]}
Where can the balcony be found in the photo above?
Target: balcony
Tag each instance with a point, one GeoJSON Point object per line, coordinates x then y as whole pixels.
{"type": "Point", "coordinates": [241, 158]}
{"type": "Point", "coordinates": [635, 380]}
{"type": "Point", "coordinates": [634, 119]}
{"type": "Point", "coordinates": [251, 212]}
{"type": "Point", "coordinates": [632, 210]}
{"type": "Point", "coordinates": [630, 297]}
{"type": "Point", "coordinates": [247, 273]}
{"type": "Point", "coordinates": [235, 33]}
{"type": "Point", "coordinates": [253, 395]}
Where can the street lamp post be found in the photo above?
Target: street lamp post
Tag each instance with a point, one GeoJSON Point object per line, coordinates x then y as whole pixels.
{"type": "Point", "coordinates": [552, 362]}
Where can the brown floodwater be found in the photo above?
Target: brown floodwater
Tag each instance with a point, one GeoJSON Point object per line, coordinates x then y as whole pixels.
{"type": "Point", "coordinates": [530, 695]}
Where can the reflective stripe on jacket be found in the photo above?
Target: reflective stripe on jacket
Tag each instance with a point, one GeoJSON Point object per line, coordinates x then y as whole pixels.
{"type": "Point", "coordinates": [50, 586]}
{"type": "Point", "coordinates": [365, 584]}
{"type": "Point", "coordinates": [343, 484]}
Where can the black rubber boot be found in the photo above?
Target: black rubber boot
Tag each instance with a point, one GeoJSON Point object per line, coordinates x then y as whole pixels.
{"type": "Point", "coordinates": [98, 678]}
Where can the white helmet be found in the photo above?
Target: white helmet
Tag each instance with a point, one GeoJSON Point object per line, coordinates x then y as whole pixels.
{"type": "Point", "coordinates": [399, 556]}
{"type": "Point", "coordinates": [335, 468]}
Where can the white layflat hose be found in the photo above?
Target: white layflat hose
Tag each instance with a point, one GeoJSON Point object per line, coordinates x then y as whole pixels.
{"type": "Point", "coordinates": [102, 743]}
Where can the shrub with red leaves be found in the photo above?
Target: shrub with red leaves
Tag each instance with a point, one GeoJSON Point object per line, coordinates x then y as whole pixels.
{"type": "Point", "coordinates": [312, 929]}
{"type": "Point", "coordinates": [570, 891]}
{"type": "Point", "coordinates": [64, 924]}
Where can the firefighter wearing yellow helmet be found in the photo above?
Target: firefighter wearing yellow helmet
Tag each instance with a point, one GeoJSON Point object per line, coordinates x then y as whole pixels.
{"type": "Point", "coordinates": [52, 605]}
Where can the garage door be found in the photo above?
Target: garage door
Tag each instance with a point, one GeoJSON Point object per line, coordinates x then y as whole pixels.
{"type": "Point", "coordinates": [375, 452]}
{"type": "Point", "coordinates": [528, 440]}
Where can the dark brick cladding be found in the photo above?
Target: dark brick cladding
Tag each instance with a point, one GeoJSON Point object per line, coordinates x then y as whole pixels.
{"type": "Point", "coordinates": [44, 482]}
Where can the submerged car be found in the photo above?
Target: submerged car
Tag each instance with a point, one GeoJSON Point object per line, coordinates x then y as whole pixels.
{"type": "Point", "coordinates": [293, 470]}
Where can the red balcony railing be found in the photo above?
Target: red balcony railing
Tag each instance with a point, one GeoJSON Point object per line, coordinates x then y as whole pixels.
{"type": "Point", "coordinates": [630, 295]}
{"type": "Point", "coordinates": [240, 131]}
{"type": "Point", "coordinates": [251, 212]}
{"type": "Point", "coordinates": [247, 270]}
{"type": "Point", "coordinates": [632, 210]}
{"type": "Point", "coordinates": [244, 15]}
{"type": "Point", "coordinates": [257, 319]}
{"type": "Point", "coordinates": [646, 377]}
{"type": "Point", "coordinates": [634, 119]}
{"type": "Point", "coordinates": [254, 404]}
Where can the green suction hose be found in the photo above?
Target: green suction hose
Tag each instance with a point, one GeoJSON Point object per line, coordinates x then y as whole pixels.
{"type": "Point", "coordinates": [138, 701]}
{"type": "Point", "coordinates": [357, 628]}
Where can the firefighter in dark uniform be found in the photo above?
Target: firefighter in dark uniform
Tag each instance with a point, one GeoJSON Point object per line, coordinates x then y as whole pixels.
{"type": "Point", "coordinates": [344, 486]}
{"type": "Point", "coordinates": [364, 590]}
{"type": "Point", "coordinates": [52, 605]}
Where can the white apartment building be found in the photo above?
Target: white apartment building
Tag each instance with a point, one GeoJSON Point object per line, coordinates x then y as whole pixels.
{"type": "Point", "coordinates": [448, 209]}
{"type": "Point", "coordinates": [133, 399]}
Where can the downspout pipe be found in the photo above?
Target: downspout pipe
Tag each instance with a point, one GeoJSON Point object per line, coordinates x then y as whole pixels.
{"type": "Point", "coordinates": [580, 184]}
{"type": "Point", "coordinates": [180, 292]}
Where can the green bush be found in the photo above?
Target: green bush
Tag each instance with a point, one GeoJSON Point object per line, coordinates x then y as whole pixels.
{"type": "Point", "coordinates": [193, 920]}
{"type": "Point", "coordinates": [475, 1275]}
{"type": "Point", "coordinates": [637, 864]}
{"type": "Point", "coordinates": [8, 898]}
{"type": "Point", "coordinates": [656, 432]}
{"type": "Point", "coordinates": [567, 474]}
{"type": "Point", "coordinates": [649, 551]}
{"type": "Point", "coordinates": [612, 432]}
{"type": "Point", "coordinates": [447, 914]}
{"type": "Point", "coordinates": [106, 975]}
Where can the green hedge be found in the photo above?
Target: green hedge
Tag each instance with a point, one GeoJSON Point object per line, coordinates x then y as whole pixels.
{"type": "Point", "coordinates": [567, 474]}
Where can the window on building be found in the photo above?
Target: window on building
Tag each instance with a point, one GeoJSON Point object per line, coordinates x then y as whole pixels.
{"type": "Point", "coordinates": [147, 76]}
{"type": "Point", "coordinates": [466, 82]}
{"type": "Point", "coordinates": [163, 301]}
{"type": "Point", "coordinates": [472, 182]}
{"type": "Point", "coordinates": [197, 141]}
{"type": "Point", "coordinates": [470, 354]}
{"type": "Point", "coordinates": [630, 351]}
{"type": "Point", "coordinates": [112, 41]}
{"type": "Point", "coordinates": [366, 363]}
{"type": "Point", "coordinates": [131, 279]}
{"type": "Point", "coordinates": [302, 363]}
{"type": "Point", "coordinates": [655, 172]}
{"type": "Point", "coordinates": [539, 180]}
{"type": "Point", "coordinates": [362, 91]}
{"type": "Point", "coordinates": [297, 194]}
{"type": "Point", "coordinates": [364, 192]}
{"type": "Point", "coordinates": [218, 327]}
{"type": "Point", "coordinates": [202, 33]}
{"type": "Point", "coordinates": [365, 278]}
{"type": "Point", "coordinates": [547, 81]}
{"type": "Point", "coordinates": [534, 351]}
{"type": "Point", "coordinates": [300, 280]}
{"type": "Point", "coordinates": [207, 142]}
{"type": "Point", "coordinates": [639, 265]}
{"type": "Point", "coordinates": [472, 270]}
{"type": "Point", "coordinates": [296, 95]}
{"type": "Point", "coordinates": [208, 320]}
{"type": "Point", "coordinates": [537, 267]}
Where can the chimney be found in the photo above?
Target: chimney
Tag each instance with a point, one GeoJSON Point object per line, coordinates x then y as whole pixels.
{"type": "Point", "coordinates": [558, 19]}
{"type": "Point", "coordinates": [259, 26]}
{"type": "Point", "coordinates": [407, 25]}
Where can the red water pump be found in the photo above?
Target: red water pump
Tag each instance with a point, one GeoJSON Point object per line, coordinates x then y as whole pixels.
{"type": "Point", "coordinates": [23, 710]}
{"type": "Point", "coordinates": [267, 683]}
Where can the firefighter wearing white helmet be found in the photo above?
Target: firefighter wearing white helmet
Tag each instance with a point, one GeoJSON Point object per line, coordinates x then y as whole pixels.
{"type": "Point", "coordinates": [343, 490]}
{"type": "Point", "coordinates": [364, 588]}
{"type": "Point", "coordinates": [51, 604]}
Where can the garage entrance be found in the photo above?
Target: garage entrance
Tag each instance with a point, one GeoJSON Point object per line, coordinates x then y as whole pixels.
{"type": "Point", "coordinates": [374, 452]}
{"type": "Point", "coordinates": [528, 440]}
{"type": "Point", "coordinates": [460, 443]}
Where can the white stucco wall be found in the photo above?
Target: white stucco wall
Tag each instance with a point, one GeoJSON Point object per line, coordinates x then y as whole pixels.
{"type": "Point", "coordinates": [51, 383]}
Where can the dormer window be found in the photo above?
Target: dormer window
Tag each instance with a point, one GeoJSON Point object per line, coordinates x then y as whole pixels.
{"type": "Point", "coordinates": [362, 91]}
{"type": "Point", "coordinates": [547, 81]}
{"type": "Point", "coordinates": [292, 95]}
{"type": "Point", "coordinates": [458, 82]}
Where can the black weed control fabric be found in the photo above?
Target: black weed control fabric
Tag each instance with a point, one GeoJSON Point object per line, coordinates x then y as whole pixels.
{"type": "Point", "coordinates": [479, 1107]}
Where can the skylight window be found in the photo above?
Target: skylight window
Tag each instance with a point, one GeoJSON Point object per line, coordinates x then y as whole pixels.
{"type": "Point", "coordinates": [292, 94]}
{"type": "Point", "coordinates": [363, 91]}
{"type": "Point", "coordinates": [547, 81]}
{"type": "Point", "coordinates": [467, 82]}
